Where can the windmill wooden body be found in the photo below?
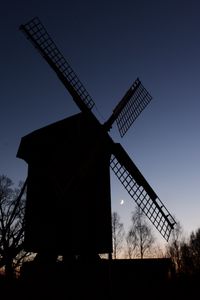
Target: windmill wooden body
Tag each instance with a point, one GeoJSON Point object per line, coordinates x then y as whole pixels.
{"type": "Point", "coordinates": [68, 189]}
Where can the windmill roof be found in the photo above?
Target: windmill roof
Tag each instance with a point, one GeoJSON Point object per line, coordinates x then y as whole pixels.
{"type": "Point", "coordinates": [54, 134]}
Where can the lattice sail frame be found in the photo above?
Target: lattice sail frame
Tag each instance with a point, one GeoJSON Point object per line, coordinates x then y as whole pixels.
{"type": "Point", "coordinates": [37, 33]}
{"type": "Point", "coordinates": [146, 199]}
{"type": "Point", "coordinates": [136, 104]}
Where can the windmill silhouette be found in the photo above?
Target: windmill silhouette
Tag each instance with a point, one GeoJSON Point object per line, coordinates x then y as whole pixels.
{"type": "Point", "coordinates": [68, 206]}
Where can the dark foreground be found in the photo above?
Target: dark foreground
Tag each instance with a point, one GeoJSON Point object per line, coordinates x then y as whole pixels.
{"type": "Point", "coordinates": [118, 279]}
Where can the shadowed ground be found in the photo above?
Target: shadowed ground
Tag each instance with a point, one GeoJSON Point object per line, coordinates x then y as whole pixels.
{"type": "Point", "coordinates": [118, 279]}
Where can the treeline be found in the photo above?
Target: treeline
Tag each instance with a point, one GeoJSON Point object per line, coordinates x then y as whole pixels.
{"type": "Point", "coordinates": [12, 208]}
{"type": "Point", "coordinates": [185, 254]}
{"type": "Point", "coordinates": [139, 242]}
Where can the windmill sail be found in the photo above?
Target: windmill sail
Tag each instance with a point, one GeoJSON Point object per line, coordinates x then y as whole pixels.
{"type": "Point", "coordinates": [134, 102]}
{"type": "Point", "coordinates": [40, 38]}
{"type": "Point", "coordinates": [129, 108]}
{"type": "Point", "coordinates": [139, 189]}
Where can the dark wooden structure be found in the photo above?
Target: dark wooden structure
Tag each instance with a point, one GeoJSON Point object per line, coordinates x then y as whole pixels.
{"type": "Point", "coordinates": [68, 207]}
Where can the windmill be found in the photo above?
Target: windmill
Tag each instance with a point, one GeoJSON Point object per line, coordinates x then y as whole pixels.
{"type": "Point", "coordinates": [69, 162]}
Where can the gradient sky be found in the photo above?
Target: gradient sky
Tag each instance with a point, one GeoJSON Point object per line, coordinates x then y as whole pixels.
{"type": "Point", "coordinates": [109, 44]}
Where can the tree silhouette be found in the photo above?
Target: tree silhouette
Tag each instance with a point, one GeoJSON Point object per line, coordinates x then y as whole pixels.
{"type": "Point", "coordinates": [185, 255]}
{"type": "Point", "coordinates": [190, 254]}
{"type": "Point", "coordinates": [12, 206]}
{"type": "Point", "coordinates": [173, 249]}
{"type": "Point", "coordinates": [139, 238]}
{"type": "Point", "coordinates": [195, 249]}
{"type": "Point", "coordinates": [117, 234]}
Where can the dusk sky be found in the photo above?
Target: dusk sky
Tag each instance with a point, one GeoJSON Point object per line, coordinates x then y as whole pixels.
{"type": "Point", "coordinates": [109, 44]}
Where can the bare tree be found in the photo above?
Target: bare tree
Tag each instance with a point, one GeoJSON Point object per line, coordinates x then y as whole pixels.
{"type": "Point", "coordinates": [11, 225]}
{"type": "Point", "coordinates": [185, 254]}
{"type": "Point", "coordinates": [189, 255]}
{"type": "Point", "coordinates": [117, 234]}
{"type": "Point", "coordinates": [187, 263]}
{"type": "Point", "coordinates": [131, 241]}
{"type": "Point", "coordinates": [140, 237]}
{"type": "Point", "coordinates": [194, 251]}
{"type": "Point", "coordinates": [173, 249]}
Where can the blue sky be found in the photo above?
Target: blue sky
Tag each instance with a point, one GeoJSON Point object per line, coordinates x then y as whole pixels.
{"type": "Point", "coordinates": [109, 44]}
